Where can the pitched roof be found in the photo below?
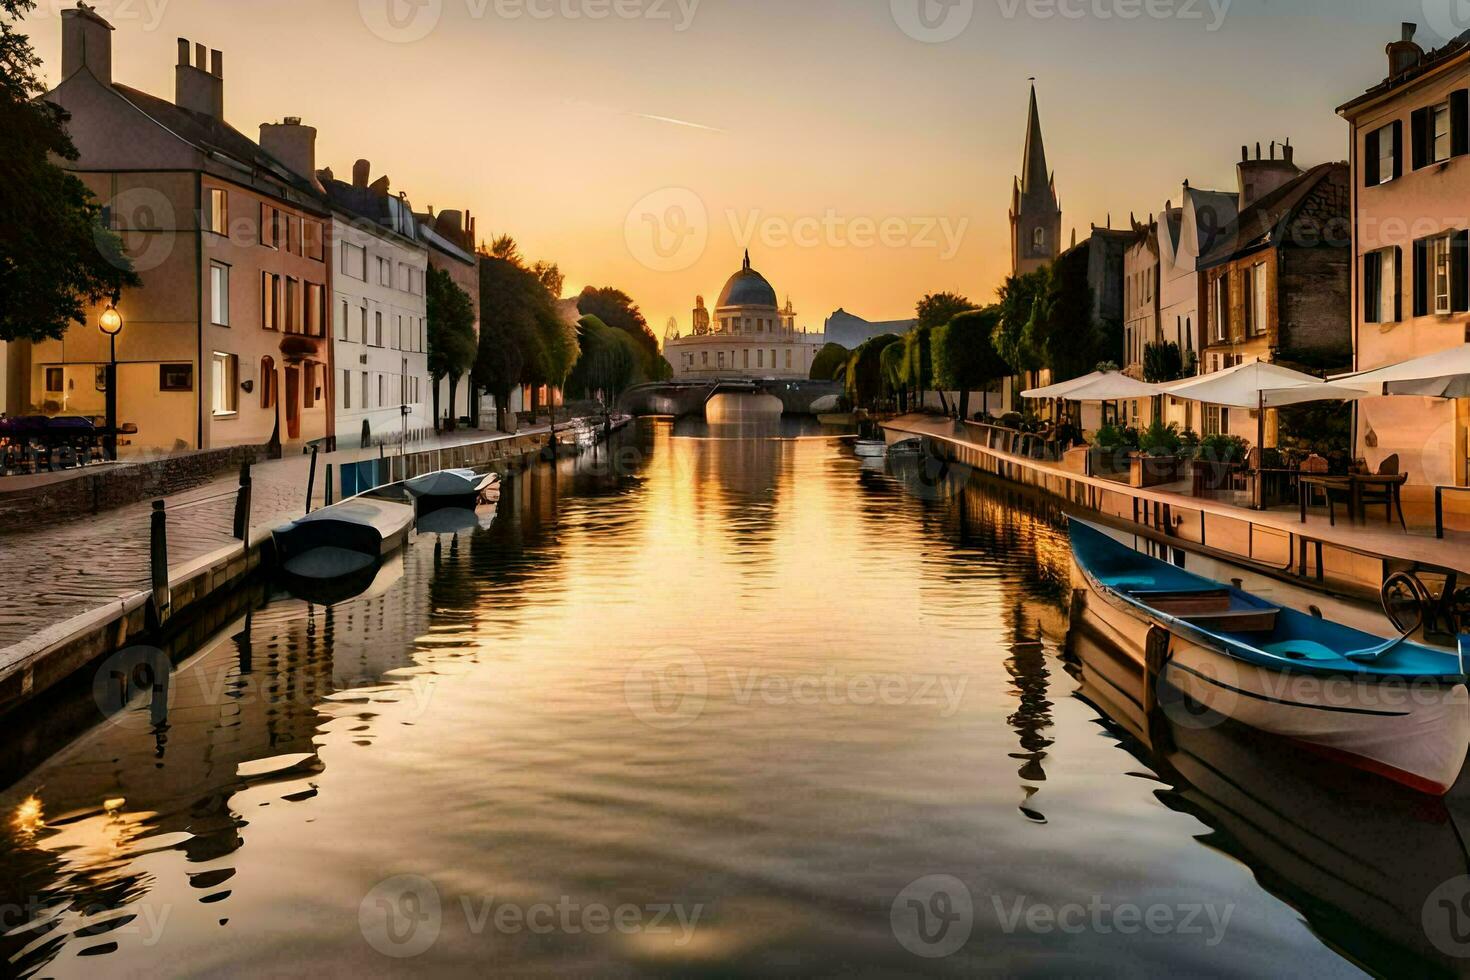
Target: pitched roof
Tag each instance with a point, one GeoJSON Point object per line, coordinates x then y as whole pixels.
{"type": "Point", "coordinates": [216, 136]}
{"type": "Point", "coordinates": [1433, 59]}
{"type": "Point", "coordinates": [1300, 211]}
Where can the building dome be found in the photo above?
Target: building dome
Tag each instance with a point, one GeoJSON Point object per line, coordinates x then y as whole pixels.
{"type": "Point", "coordinates": [747, 288]}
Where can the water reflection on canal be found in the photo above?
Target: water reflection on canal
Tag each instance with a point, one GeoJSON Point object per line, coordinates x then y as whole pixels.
{"type": "Point", "coordinates": [722, 698]}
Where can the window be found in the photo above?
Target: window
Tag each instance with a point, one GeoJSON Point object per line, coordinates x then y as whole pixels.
{"type": "Point", "coordinates": [314, 309]}
{"type": "Point", "coordinates": [270, 292]}
{"type": "Point", "coordinates": [747, 357]}
{"type": "Point", "coordinates": [354, 261]}
{"type": "Point", "coordinates": [219, 294]}
{"type": "Point", "coordinates": [346, 389]}
{"type": "Point", "coordinates": [314, 241]}
{"type": "Point", "coordinates": [788, 360]}
{"type": "Point", "coordinates": [342, 323]}
{"type": "Point", "coordinates": [382, 390]}
{"type": "Point", "coordinates": [385, 272]}
{"type": "Point", "coordinates": [760, 358]}
{"type": "Point", "coordinates": [175, 377]}
{"type": "Point", "coordinates": [1382, 155]}
{"type": "Point", "coordinates": [226, 384]}
{"type": "Point", "coordinates": [1438, 263]}
{"type": "Point", "coordinates": [54, 380]}
{"type": "Point", "coordinates": [362, 322]}
{"type": "Point", "coordinates": [267, 382]}
{"type": "Point", "coordinates": [308, 384]}
{"type": "Point", "coordinates": [378, 329]}
{"type": "Point", "coordinates": [217, 211]}
{"type": "Point", "coordinates": [1440, 141]}
{"type": "Point", "coordinates": [1220, 313]}
{"type": "Point", "coordinates": [1038, 241]}
{"type": "Point", "coordinates": [1257, 318]}
{"type": "Point", "coordinates": [293, 305]}
{"type": "Point", "coordinates": [1381, 286]}
{"type": "Point", "coordinates": [270, 226]}
{"type": "Point", "coordinates": [365, 390]}
{"type": "Point", "coordinates": [721, 357]}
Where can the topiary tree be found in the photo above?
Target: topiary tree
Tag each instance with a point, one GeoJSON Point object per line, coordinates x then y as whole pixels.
{"type": "Point", "coordinates": [894, 361]}
{"type": "Point", "coordinates": [452, 343]}
{"type": "Point", "coordinates": [827, 362]}
{"type": "Point", "coordinates": [965, 358]}
{"type": "Point", "coordinates": [865, 371]}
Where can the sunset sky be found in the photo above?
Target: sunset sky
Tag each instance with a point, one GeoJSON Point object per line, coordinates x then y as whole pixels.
{"type": "Point", "coordinates": [817, 120]}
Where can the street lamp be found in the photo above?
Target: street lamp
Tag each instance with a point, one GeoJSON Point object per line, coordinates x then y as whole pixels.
{"type": "Point", "coordinates": [111, 323]}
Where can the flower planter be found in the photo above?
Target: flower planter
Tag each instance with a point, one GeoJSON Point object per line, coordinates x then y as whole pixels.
{"type": "Point", "coordinates": [1109, 462]}
{"type": "Point", "coordinates": [1154, 471]}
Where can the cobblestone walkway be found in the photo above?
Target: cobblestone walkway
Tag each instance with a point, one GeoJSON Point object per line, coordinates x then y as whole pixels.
{"type": "Point", "coordinates": [52, 574]}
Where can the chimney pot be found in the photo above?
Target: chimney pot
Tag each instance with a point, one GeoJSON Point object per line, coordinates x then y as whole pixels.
{"type": "Point", "coordinates": [1409, 30]}
{"type": "Point", "coordinates": [183, 52]}
{"type": "Point", "coordinates": [216, 63]}
{"type": "Point", "coordinates": [1245, 153]}
{"type": "Point", "coordinates": [360, 171]}
{"type": "Point", "coordinates": [195, 87]}
{"type": "Point", "coordinates": [199, 56]}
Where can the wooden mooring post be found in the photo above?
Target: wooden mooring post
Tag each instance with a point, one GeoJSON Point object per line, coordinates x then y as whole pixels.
{"type": "Point", "coordinates": [242, 506]}
{"type": "Point", "coordinates": [158, 561]}
{"type": "Point", "coordinates": [311, 479]}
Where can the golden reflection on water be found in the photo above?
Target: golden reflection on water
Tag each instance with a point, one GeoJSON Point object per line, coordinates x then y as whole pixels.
{"type": "Point", "coordinates": [722, 666]}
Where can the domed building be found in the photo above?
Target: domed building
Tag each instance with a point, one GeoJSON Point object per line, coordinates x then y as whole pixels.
{"type": "Point", "coordinates": [748, 335]}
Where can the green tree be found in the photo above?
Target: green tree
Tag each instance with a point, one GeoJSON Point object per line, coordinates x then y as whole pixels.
{"type": "Point", "coordinates": [1064, 333]}
{"type": "Point", "coordinates": [1017, 305]}
{"type": "Point", "coordinates": [56, 255]}
{"type": "Point", "coordinates": [608, 362]}
{"type": "Point", "coordinates": [616, 309]}
{"type": "Point", "coordinates": [828, 360]}
{"type": "Point", "coordinates": [965, 358]}
{"type": "Point", "coordinates": [507, 331]}
{"type": "Point", "coordinates": [865, 371]}
{"type": "Point", "coordinates": [893, 362]}
{"type": "Point", "coordinates": [919, 363]}
{"type": "Point", "coordinates": [937, 309]}
{"type": "Point", "coordinates": [453, 345]}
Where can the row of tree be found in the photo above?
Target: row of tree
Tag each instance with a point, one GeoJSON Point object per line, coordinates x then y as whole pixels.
{"type": "Point", "coordinates": [527, 336]}
{"type": "Point", "coordinates": [1041, 320]}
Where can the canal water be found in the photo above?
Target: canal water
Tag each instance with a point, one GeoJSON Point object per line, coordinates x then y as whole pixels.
{"type": "Point", "coordinates": [721, 698]}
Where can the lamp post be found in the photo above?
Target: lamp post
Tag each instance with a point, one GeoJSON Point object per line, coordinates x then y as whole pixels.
{"type": "Point", "coordinates": [111, 323]}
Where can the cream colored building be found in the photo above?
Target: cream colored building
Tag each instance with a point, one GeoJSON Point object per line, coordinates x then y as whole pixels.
{"type": "Point", "coordinates": [748, 336]}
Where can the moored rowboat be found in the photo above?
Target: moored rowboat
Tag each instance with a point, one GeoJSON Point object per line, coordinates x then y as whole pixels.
{"type": "Point", "coordinates": [1398, 709]}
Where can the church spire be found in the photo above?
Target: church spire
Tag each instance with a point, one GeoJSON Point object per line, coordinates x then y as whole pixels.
{"type": "Point", "coordinates": [747, 260]}
{"type": "Point", "coordinates": [1034, 175]}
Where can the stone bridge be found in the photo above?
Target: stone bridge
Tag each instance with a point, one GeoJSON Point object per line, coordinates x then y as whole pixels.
{"type": "Point", "coordinates": [684, 398]}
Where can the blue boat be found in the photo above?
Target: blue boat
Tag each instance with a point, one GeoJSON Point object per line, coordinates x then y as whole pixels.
{"type": "Point", "coordinates": [1397, 708]}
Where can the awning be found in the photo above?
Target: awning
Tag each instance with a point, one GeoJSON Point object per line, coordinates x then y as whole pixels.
{"type": "Point", "coordinates": [1101, 386]}
{"type": "Point", "coordinates": [1260, 385]}
{"type": "Point", "coordinates": [1442, 375]}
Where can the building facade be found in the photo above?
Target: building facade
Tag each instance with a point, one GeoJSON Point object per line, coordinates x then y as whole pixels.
{"type": "Point", "coordinates": [748, 336]}
{"type": "Point", "coordinates": [225, 343]}
{"type": "Point", "coordinates": [380, 322]}
{"type": "Point", "coordinates": [1277, 285]}
{"type": "Point", "coordinates": [1411, 249]}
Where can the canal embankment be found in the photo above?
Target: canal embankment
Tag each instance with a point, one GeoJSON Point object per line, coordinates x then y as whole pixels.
{"type": "Point", "coordinates": [75, 593]}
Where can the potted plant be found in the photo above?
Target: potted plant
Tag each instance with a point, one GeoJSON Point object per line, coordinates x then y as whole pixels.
{"type": "Point", "coordinates": [1112, 446]}
{"type": "Point", "coordinates": [1219, 454]}
{"type": "Point", "coordinates": [1157, 459]}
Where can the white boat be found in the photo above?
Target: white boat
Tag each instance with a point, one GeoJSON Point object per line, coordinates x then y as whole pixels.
{"type": "Point", "coordinates": [457, 489]}
{"type": "Point", "coordinates": [870, 448]}
{"type": "Point", "coordinates": [1398, 709]}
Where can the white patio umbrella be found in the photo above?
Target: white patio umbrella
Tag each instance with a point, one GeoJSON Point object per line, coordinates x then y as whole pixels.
{"type": "Point", "coordinates": [1259, 386]}
{"type": "Point", "coordinates": [1442, 375]}
{"type": "Point", "coordinates": [1061, 388]}
{"type": "Point", "coordinates": [1112, 387]}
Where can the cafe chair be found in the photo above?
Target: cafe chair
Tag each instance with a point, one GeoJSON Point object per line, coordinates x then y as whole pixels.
{"type": "Point", "coordinates": [1387, 494]}
{"type": "Point", "coordinates": [1315, 465]}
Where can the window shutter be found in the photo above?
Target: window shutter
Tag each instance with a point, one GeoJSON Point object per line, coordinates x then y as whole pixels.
{"type": "Point", "coordinates": [1421, 277]}
{"type": "Point", "coordinates": [1372, 286]}
{"type": "Point", "coordinates": [1422, 126]}
{"type": "Point", "coordinates": [1398, 149]}
{"type": "Point", "coordinates": [1460, 122]}
{"type": "Point", "coordinates": [1398, 284]}
{"type": "Point", "coordinates": [1460, 271]}
{"type": "Point", "coordinates": [1371, 176]}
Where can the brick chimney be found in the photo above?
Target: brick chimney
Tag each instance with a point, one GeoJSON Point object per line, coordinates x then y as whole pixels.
{"type": "Point", "coordinates": [196, 87]}
{"type": "Point", "coordinates": [1404, 55]}
{"type": "Point", "coordinates": [361, 170]}
{"type": "Point", "coordinates": [294, 145]}
{"type": "Point", "coordinates": [86, 42]}
{"type": "Point", "coordinates": [1260, 177]}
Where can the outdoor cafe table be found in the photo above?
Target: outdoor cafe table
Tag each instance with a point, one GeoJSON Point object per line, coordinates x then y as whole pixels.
{"type": "Point", "coordinates": [1354, 484]}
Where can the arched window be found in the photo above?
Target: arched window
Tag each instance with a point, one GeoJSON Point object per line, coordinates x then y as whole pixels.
{"type": "Point", "coordinates": [267, 382]}
{"type": "Point", "coordinates": [1038, 240]}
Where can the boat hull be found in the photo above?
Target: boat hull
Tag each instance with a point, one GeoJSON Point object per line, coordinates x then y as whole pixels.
{"type": "Point", "coordinates": [1414, 732]}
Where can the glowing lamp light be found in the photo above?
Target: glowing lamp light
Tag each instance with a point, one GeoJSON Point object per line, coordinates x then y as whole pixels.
{"type": "Point", "coordinates": [111, 321]}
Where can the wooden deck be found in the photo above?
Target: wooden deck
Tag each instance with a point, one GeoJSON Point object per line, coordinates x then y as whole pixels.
{"type": "Point", "coordinates": [1353, 558]}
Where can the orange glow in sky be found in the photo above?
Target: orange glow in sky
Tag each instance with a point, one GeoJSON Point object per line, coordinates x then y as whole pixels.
{"type": "Point", "coordinates": [860, 151]}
